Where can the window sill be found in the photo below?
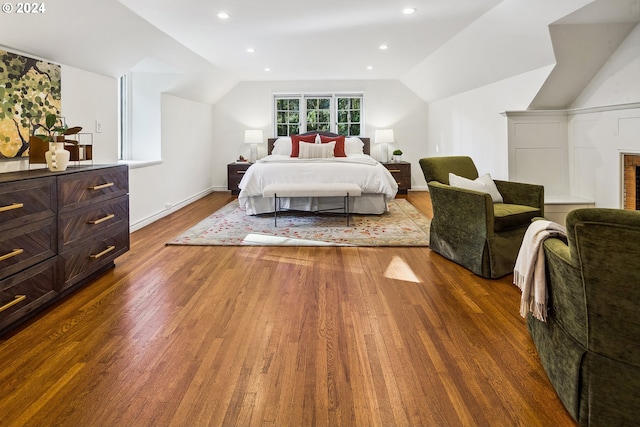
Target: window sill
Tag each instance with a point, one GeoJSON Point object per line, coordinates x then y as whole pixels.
{"type": "Point", "coordinates": [136, 164]}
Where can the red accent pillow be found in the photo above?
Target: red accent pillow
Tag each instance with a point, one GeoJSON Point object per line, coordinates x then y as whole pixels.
{"type": "Point", "coordinates": [338, 151]}
{"type": "Point", "coordinates": [295, 143]}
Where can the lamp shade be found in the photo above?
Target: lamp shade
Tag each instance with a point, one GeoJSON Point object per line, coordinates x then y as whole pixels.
{"type": "Point", "coordinates": [384, 136]}
{"type": "Point", "coordinates": [253, 137]}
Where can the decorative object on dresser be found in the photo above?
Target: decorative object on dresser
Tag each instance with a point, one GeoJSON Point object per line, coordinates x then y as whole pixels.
{"type": "Point", "coordinates": [235, 172]}
{"type": "Point", "coordinates": [401, 172]}
{"type": "Point", "coordinates": [384, 137]}
{"type": "Point", "coordinates": [58, 231]}
{"type": "Point", "coordinates": [52, 134]}
{"type": "Point", "coordinates": [397, 156]}
{"type": "Point", "coordinates": [253, 137]}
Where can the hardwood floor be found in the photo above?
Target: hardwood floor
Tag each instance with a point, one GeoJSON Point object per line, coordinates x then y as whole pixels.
{"type": "Point", "coordinates": [277, 336]}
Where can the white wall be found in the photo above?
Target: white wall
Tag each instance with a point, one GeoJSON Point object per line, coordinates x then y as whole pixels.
{"type": "Point", "coordinates": [388, 104]}
{"type": "Point", "coordinates": [184, 174]}
{"type": "Point", "coordinates": [587, 140]}
{"type": "Point", "coordinates": [472, 123]}
{"type": "Point", "coordinates": [618, 82]}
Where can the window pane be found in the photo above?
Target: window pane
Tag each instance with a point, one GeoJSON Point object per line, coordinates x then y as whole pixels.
{"type": "Point", "coordinates": [354, 130]}
{"type": "Point", "coordinates": [355, 103]}
{"type": "Point", "coordinates": [342, 116]}
{"type": "Point", "coordinates": [282, 130]}
{"type": "Point", "coordinates": [282, 104]}
{"type": "Point", "coordinates": [355, 116]}
{"type": "Point", "coordinates": [312, 103]}
{"type": "Point", "coordinates": [325, 103]}
{"type": "Point", "coordinates": [343, 103]}
{"type": "Point", "coordinates": [294, 117]}
{"type": "Point", "coordinates": [343, 129]}
{"type": "Point", "coordinates": [282, 117]}
{"type": "Point", "coordinates": [294, 129]}
{"type": "Point", "coordinates": [324, 116]}
{"type": "Point", "coordinates": [294, 105]}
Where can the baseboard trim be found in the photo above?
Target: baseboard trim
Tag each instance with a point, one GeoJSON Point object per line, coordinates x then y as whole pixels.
{"type": "Point", "coordinates": [153, 218]}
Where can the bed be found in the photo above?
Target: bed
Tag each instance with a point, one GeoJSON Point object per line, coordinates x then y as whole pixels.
{"type": "Point", "coordinates": [316, 163]}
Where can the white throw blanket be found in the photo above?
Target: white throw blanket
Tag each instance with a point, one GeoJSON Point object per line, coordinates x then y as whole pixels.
{"type": "Point", "coordinates": [529, 271]}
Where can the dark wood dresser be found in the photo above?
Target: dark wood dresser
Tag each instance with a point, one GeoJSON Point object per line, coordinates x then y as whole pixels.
{"type": "Point", "coordinates": [58, 231]}
{"type": "Point", "coordinates": [235, 172]}
{"type": "Point", "coordinates": [401, 171]}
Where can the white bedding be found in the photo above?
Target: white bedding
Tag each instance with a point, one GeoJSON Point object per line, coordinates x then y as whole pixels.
{"type": "Point", "coordinates": [361, 169]}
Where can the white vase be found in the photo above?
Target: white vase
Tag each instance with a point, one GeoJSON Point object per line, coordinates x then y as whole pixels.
{"type": "Point", "coordinates": [57, 157]}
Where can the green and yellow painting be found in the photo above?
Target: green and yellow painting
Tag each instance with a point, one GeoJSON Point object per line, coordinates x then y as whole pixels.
{"type": "Point", "coordinates": [29, 90]}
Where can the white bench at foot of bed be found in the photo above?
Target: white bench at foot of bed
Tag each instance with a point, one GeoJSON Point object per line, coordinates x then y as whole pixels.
{"type": "Point", "coordinates": [335, 189]}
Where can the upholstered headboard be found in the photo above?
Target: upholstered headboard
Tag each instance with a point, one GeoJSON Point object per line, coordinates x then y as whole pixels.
{"type": "Point", "coordinates": [366, 149]}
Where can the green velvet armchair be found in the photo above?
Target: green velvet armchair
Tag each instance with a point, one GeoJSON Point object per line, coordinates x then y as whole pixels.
{"type": "Point", "coordinates": [468, 227]}
{"type": "Point", "coordinates": [590, 344]}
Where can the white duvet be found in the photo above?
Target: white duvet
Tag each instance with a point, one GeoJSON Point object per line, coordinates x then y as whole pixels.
{"type": "Point", "coordinates": [361, 169]}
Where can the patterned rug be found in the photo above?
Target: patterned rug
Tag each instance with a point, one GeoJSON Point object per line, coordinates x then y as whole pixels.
{"type": "Point", "coordinates": [403, 225]}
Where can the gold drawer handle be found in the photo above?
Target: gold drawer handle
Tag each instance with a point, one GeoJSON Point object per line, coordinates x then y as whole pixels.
{"type": "Point", "coordinates": [395, 170]}
{"type": "Point", "coordinates": [101, 186]}
{"type": "Point", "coordinates": [11, 207]}
{"type": "Point", "coordinates": [106, 251]}
{"type": "Point", "coordinates": [11, 254]}
{"type": "Point", "coordinates": [98, 221]}
{"type": "Point", "coordinates": [16, 300]}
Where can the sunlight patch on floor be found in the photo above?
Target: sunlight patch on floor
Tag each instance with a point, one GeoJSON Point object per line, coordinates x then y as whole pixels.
{"type": "Point", "coordinates": [398, 269]}
{"type": "Point", "coordinates": [266, 239]}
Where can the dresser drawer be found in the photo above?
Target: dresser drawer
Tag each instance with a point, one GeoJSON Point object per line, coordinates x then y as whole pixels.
{"type": "Point", "coordinates": [83, 224]}
{"type": "Point", "coordinates": [81, 189]}
{"type": "Point", "coordinates": [84, 260]}
{"type": "Point", "coordinates": [25, 246]}
{"type": "Point", "coordinates": [26, 291]}
{"type": "Point", "coordinates": [27, 201]}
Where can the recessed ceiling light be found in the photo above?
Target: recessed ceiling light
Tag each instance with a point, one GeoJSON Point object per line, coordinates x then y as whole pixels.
{"type": "Point", "coordinates": [267, 69]}
{"type": "Point", "coordinates": [383, 47]}
{"type": "Point", "coordinates": [409, 10]}
{"type": "Point", "coordinates": [369, 67]}
{"type": "Point", "coordinates": [250, 50]}
{"type": "Point", "coordinates": [223, 15]}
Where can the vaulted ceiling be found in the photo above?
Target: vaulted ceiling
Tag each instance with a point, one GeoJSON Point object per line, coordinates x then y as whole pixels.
{"type": "Point", "coordinates": [445, 47]}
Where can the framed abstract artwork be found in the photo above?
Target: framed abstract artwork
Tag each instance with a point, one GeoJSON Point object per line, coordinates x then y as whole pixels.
{"type": "Point", "coordinates": [29, 90]}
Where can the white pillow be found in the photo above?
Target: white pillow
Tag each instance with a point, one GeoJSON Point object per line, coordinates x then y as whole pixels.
{"type": "Point", "coordinates": [353, 145]}
{"type": "Point", "coordinates": [282, 146]}
{"type": "Point", "coordinates": [309, 150]}
{"type": "Point", "coordinates": [483, 184]}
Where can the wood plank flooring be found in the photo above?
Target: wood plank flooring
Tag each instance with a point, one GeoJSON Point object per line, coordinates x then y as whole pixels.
{"type": "Point", "coordinates": [281, 336]}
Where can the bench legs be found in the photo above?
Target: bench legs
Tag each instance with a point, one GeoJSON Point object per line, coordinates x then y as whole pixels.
{"type": "Point", "coordinates": [276, 208]}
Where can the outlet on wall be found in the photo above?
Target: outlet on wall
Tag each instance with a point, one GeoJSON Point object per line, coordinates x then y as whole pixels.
{"type": "Point", "coordinates": [98, 126]}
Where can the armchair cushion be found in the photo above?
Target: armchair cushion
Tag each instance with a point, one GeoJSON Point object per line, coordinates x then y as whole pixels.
{"type": "Point", "coordinates": [483, 183]}
{"type": "Point", "coordinates": [508, 216]}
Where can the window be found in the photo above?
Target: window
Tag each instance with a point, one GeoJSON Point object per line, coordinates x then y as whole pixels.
{"type": "Point", "coordinates": [348, 120]}
{"type": "Point", "coordinates": [287, 116]}
{"type": "Point", "coordinates": [300, 113]}
{"type": "Point", "coordinates": [318, 114]}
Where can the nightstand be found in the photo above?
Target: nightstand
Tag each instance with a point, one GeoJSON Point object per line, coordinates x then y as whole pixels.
{"type": "Point", "coordinates": [401, 171]}
{"type": "Point", "coordinates": [235, 172]}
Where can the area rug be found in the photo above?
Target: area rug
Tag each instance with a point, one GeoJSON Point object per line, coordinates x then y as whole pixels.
{"type": "Point", "coordinates": [403, 225]}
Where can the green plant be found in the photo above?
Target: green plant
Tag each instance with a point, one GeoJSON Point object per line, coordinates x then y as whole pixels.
{"type": "Point", "coordinates": [54, 128]}
{"type": "Point", "coordinates": [397, 152]}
